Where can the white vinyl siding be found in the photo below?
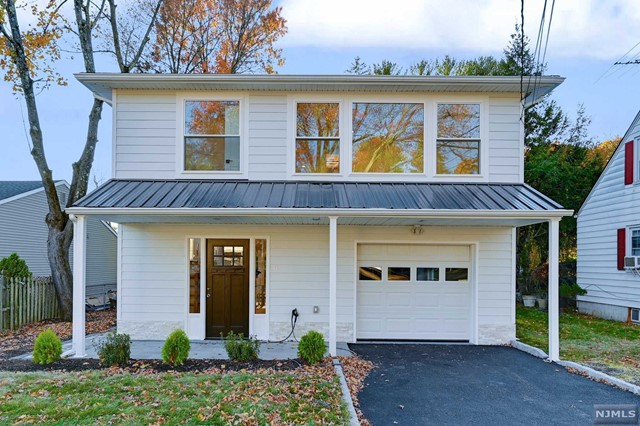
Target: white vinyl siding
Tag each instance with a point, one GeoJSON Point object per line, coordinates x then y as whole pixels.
{"type": "Point", "coordinates": [154, 279]}
{"type": "Point", "coordinates": [267, 137]}
{"type": "Point", "coordinates": [145, 135]}
{"type": "Point", "coordinates": [610, 206]}
{"type": "Point", "coordinates": [506, 148]}
{"type": "Point", "coordinates": [145, 138]}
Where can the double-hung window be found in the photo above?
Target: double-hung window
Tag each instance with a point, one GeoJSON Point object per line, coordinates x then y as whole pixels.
{"type": "Point", "coordinates": [458, 139]}
{"type": "Point", "coordinates": [387, 138]}
{"type": "Point", "coordinates": [317, 147]}
{"type": "Point", "coordinates": [635, 242]}
{"type": "Point", "coordinates": [212, 136]}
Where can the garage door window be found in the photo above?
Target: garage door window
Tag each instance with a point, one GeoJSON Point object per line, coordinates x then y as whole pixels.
{"type": "Point", "coordinates": [456, 274]}
{"type": "Point", "coordinates": [370, 273]}
{"type": "Point", "coordinates": [399, 273]}
{"type": "Point", "coordinates": [428, 274]}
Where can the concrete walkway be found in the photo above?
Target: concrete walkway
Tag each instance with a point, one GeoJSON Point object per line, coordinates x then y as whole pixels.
{"type": "Point", "coordinates": [200, 349]}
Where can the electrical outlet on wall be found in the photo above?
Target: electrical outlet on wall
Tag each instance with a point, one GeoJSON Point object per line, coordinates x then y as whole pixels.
{"type": "Point", "coordinates": [316, 309]}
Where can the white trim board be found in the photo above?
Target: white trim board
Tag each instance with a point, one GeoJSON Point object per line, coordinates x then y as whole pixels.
{"type": "Point", "coordinates": [33, 191]}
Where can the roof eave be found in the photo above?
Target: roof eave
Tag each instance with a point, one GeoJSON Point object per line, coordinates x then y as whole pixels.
{"type": "Point", "coordinates": [102, 84]}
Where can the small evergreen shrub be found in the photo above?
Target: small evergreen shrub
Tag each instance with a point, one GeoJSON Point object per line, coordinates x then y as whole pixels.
{"type": "Point", "coordinates": [47, 348]}
{"type": "Point", "coordinates": [115, 349]}
{"type": "Point", "coordinates": [312, 347]}
{"type": "Point", "coordinates": [241, 349]}
{"type": "Point", "coordinates": [13, 266]}
{"type": "Point", "coordinates": [176, 348]}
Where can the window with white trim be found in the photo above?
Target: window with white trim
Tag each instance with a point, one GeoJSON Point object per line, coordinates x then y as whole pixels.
{"type": "Point", "coordinates": [317, 147]}
{"type": "Point", "coordinates": [458, 139]}
{"type": "Point", "coordinates": [635, 242]}
{"type": "Point", "coordinates": [212, 136]}
{"type": "Point", "coordinates": [387, 137]}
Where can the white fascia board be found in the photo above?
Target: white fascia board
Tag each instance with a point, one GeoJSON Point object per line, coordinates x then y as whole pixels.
{"type": "Point", "coordinates": [33, 191]}
{"type": "Point", "coordinates": [448, 214]}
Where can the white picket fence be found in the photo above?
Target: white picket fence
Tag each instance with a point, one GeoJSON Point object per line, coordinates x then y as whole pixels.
{"type": "Point", "coordinates": [26, 300]}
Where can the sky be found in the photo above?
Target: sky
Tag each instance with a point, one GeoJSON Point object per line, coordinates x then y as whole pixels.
{"type": "Point", "coordinates": [586, 38]}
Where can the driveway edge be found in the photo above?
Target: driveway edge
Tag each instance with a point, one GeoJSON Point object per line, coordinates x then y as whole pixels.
{"type": "Point", "coordinates": [346, 395]}
{"type": "Point", "coordinates": [529, 349]}
{"type": "Point", "coordinates": [601, 377]}
{"type": "Point", "coordinates": [596, 375]}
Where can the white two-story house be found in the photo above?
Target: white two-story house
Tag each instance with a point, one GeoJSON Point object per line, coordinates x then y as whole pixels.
{"type": "Point", "coordinates": [377, 207]}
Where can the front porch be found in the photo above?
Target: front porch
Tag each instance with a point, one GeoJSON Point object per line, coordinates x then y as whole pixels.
{"type": "Point", "coordinates": [383, 261]}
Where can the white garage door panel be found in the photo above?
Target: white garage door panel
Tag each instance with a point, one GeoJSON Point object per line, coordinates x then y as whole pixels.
{"type": "Point", "coordinates": [428, 310]}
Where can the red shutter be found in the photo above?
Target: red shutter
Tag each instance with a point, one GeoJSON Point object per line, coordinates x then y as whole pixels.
{"type": "Point", "coordinates": [628, 163]}
{"type": "Point", "coordinates": [622, 247]}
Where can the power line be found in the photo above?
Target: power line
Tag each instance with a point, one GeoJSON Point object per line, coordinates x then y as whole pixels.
{"type": "Point", "coordinates": [633, 62]}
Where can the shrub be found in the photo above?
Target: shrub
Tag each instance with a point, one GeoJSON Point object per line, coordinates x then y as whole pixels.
{"type": "Point", "coordinates": [571, 290]}
{"type": "Point", "coordinates": [13, 266]}
{"type": "Point", "coordinates": [311, 347]}
{"type": "Point", "coordinates": [47, 348]}
{"type": "Point", "coordinates": [115, 349]}
{"type": "Point", "coordinates": [241, 349]}
{"type": "Point", "coordinates": [176, 348]}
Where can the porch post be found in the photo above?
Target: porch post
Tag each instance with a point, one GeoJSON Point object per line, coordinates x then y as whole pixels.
{"type": "Point", "coordinates": [79, 275]}
{"type": "Point", "coordinates": [554, 291]}
{"type": "Point", "coordinates": [333, 279]}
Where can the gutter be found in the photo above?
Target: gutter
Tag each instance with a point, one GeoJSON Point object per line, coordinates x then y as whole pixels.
{"type": "Point", "coordinates": [408, 213]}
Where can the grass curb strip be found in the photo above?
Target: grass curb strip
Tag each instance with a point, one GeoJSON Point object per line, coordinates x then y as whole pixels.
{"type": "Point", "coordinates": [346, 395]}
{"type": "Point", "coordinates": [601, 377]}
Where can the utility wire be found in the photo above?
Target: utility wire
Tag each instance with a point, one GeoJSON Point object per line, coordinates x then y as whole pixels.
{"type": "Point", "coordinates": [618, 62]}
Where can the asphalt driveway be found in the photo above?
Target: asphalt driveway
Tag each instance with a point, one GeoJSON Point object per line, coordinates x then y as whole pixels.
{"type": "Point", "coordinates": [416, 384]}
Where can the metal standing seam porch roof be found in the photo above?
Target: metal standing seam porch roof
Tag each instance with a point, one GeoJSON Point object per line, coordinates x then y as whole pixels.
{"type": "Point", "coordinates": [149, 195]}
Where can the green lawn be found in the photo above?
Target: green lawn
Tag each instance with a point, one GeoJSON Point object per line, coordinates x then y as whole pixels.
{"type": "Point", "coordinates": [609, 346]}
{"type": "Point", "coordinates": [310, 396]}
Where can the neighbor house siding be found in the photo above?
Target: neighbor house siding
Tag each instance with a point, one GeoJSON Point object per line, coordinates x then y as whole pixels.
{"type": "Point", "coordinates": [146, 139]}
{"type": "Point", "coordinates": [145, 135]}
{"type": "Point", "coordinates": [102, 256]}
{"type": "Point", "coordinates": [23, 230]}
{"type": "Point", "coordinates": [153, 281]}
{"type": "Point", "coordinates": [612, 205]}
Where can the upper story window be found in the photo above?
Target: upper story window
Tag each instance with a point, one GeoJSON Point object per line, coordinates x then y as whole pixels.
{"type": "Point", "coordinates": [212, 136]}
{"type": "Point", "coordinates": [388, 138]}
{"type": "Point", "coordinates": [317, 138]}
{"type": "Point", "coordinates": [458, 139]}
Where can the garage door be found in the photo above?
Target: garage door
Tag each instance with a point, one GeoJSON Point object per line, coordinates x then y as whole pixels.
{"type": "Point", "coordinates": [413, 292]}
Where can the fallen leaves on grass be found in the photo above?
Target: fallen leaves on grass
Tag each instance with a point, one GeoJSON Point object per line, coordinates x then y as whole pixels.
{"type": "Point", "coordinates": [13, 342]}
{"type": "Point", "coordinates": [306, 395]}
{"type": "Point", "coordinates": [356, 370]}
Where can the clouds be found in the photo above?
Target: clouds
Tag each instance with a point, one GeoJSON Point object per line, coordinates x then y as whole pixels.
{"type": "Point", "coordinates": [581, 28]}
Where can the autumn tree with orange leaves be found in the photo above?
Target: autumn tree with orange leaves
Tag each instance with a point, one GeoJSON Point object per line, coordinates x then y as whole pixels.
{"type": "Point", "coordinates": [216, 36]}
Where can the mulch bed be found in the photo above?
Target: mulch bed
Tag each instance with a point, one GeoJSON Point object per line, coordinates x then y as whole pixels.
{"type": "Point", "coordinates": [355, 371]}
{"type": "Point", "coordinates": [154, 366]}
{"type": "Point", "coordinates": [17, 342]}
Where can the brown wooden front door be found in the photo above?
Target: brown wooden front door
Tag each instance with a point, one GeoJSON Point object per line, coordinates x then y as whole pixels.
{"type": "Point", "coordinates": [227, 287]}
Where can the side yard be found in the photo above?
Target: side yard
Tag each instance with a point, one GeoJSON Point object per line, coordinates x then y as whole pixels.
{"type": "Point", "coordinates": [21, 340]}
{"type": "Point", "coordinates": [307, 395]}
{"type": "Point", "coordinates": [609, 346]}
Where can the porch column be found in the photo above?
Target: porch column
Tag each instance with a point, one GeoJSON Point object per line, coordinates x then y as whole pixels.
{"type": "Point", "coordinates": [554, 290]}
{"type": "Point", "coordinates": [333, 280]}
{"type": "Point", "coordinates": [79, 276]}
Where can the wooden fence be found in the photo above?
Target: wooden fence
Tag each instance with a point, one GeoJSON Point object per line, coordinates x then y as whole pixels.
{"type": "Point", "coordinates": [24, 301]}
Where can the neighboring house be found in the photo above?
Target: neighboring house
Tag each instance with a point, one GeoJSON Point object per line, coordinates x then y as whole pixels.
{"type": "Point", "coordinates": [378, 207]}
{"type": "Point", "coordinates": [609, 236]}
{"type": "Point", "coordinates": [23, 208]}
